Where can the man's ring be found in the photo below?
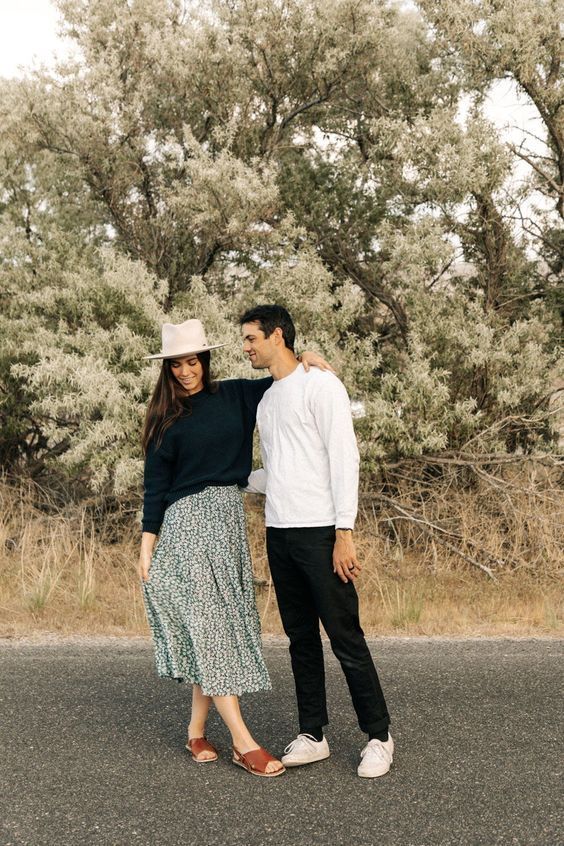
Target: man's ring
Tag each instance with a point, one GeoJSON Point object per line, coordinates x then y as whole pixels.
{"type": "Point", "coordinates": [351, 567]}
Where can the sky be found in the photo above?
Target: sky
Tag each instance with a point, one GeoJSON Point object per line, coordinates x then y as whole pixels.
{"type": "Point", "coordinates": [28, 33]}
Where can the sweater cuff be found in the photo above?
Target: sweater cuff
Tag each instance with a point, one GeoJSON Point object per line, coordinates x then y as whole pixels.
{"type": "Point", "coordinates": [153, 528]}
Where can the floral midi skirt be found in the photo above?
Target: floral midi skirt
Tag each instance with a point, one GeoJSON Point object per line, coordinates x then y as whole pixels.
{"type": "Point", "coordinates": [200, 598]}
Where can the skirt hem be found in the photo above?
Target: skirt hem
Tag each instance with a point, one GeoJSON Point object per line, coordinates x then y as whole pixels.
{"type": "Point", "coordinates": [240, 691]}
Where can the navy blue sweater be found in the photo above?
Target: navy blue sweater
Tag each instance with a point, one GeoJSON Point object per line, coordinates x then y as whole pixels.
{"type": "Point", "coordinates": [211, 444]}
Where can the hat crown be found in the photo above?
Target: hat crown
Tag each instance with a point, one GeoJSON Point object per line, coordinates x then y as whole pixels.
{"type": "Point", "coordinates": [182, 339]}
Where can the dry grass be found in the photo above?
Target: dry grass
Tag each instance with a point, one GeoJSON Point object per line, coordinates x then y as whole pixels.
{"type": "Point", "coordinates": [57, 574]}
{"type": "Point", "coordinates": [411, 585]}
{"type": "Point", "coordinates": [61, 573]}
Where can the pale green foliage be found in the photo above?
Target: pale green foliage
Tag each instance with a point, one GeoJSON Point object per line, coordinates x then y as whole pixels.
{"type": "Point", "coordinates": [410, 412]}
{"type": "Point", "coordinates": [514, 36]}
{"type": "Point", "coordinates": [86, 369]}
{"type": "Point", "coordinates": [413, 255]}
{"type": "Point", "coordinates": [222, 197]}
{"type": "Point", "coordinates": [447, 163]}
{"type": "Point", "coordinates": [203, 159]}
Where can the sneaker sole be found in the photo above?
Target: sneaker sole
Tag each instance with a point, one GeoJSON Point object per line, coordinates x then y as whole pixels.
{"type": "Point", "coordinates": [304, 763]}
{"type": "Point", "coordinates": [374, 775]}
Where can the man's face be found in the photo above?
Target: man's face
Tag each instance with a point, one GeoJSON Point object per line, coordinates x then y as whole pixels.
{"type": "Point", "coordinates": [259, 349]}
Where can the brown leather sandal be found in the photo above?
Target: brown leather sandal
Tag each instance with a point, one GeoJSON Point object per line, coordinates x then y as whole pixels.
{"type": "Point", "coordinates": [255, 762]}
{"type": "Point", "coordinates": [199, 744]}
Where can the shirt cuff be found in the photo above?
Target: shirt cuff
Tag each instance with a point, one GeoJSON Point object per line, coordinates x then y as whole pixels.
{"type": "Point", "coordinates": [256, 482]}
{"type": "Point", "coordinates": [345, 520]}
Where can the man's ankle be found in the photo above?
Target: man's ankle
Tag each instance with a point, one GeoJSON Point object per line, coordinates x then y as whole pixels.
{"type": "Point", "coordinates": [379, 735]}
{"type": "Point", "coordinates": [316, 733]}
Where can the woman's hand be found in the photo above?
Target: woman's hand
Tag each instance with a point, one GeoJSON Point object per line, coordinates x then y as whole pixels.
{"type": "Point", "coordinates": [144, 565]}
{"type": "Point", "coordinates": [312, 359]}
{"type": "Point", "coordinates": [145, 555]}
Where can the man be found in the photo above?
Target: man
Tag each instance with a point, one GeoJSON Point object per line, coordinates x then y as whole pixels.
{"type": "Point", "coordinates": [311, 460]}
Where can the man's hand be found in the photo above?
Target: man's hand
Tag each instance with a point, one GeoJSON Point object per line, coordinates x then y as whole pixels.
{"type": "Point", "coordinates": [345, 563]}
{"type": "Point", "coordinates": [311, 359]}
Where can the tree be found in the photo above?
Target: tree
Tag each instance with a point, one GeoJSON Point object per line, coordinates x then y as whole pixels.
{"type": "Point", "coordinates": [309, 152]}
{"type": "Point", "coordinates": [522, 41]}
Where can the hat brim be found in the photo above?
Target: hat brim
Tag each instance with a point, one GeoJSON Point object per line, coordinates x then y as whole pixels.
{"type": "Point", "coordinates": [183, 354]}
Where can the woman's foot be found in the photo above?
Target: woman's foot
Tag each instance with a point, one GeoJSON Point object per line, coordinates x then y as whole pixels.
{"type": "Point", "coordinates": [258, 761]}
{"type": "Point", "coordinates": [201, 749]}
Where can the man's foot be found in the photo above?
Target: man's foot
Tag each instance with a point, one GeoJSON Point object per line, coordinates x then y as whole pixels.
{"type": "Point", "coordinates": [376, 758]}
{"type": "Point", "coordinates": [305, 749]}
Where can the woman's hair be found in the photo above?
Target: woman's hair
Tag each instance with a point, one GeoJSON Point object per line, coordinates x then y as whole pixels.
{"type": "Point", "coordinates": [168, 402]}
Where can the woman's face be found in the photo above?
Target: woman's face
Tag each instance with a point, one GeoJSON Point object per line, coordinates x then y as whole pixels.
{"type": "Point", "coordinates": [189, 373]}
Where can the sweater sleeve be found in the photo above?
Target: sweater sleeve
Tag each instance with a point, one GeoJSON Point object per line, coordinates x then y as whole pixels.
{"type": "Point", "coordinates": [254, 390]}
{"type": "Point", "coordinates": [159, 464]}
{"type": "Point", "coordinates": [331, 409]}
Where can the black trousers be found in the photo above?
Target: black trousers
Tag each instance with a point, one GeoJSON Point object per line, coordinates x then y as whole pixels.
{"type": "Point", "coordinates": [308, 591]}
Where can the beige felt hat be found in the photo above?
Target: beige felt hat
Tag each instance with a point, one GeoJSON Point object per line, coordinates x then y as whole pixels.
{"type": "Point", "coordinates": [181, 339]}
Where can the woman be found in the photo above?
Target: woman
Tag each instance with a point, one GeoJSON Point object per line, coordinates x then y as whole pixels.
{"type": "Point", "coordinates": [197, 582]}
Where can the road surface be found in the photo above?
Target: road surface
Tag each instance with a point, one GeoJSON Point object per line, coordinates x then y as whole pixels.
{"type": "Point", "coordinates": [92, 751]}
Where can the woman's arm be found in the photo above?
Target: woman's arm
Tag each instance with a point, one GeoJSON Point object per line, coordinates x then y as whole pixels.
{"type": "Point", "coordinates": [157, 481]}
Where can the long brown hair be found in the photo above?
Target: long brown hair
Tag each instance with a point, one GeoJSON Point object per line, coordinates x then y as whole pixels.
{"type": "Point", "coordinates": [166, 404]}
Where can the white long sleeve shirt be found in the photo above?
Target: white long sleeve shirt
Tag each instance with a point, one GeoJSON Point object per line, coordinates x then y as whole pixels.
{"type": "Point", "coordinates": [309, 452]}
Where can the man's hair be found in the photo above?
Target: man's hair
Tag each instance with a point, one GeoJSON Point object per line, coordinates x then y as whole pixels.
{"type": "Point", "coordinates": [269, 318]}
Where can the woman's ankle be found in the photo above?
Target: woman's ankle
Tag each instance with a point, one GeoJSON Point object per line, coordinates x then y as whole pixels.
{"type": "Point", "coordinates": [244, 742]}
{"type": "Point", "coordinates": [196, 730]}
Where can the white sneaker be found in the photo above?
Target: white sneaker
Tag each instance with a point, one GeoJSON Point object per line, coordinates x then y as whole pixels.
{"type": "Point", "coordinates": [305, 749]}
{"type": "Point", "coordinates": [376, 758]}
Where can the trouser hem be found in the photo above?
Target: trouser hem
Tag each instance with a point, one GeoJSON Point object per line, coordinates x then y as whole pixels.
{"type": "Point", "coordinates": [309, 728]}
{"type": "Point", "coordinates": [374, 728]}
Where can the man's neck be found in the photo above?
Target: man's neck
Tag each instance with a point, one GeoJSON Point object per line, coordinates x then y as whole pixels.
{"type": "Point", "coordinates": [285, 364]}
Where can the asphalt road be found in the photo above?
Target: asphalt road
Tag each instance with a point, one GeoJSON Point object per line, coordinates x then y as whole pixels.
{"type": "Point", "coordinates": [91, 752]}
